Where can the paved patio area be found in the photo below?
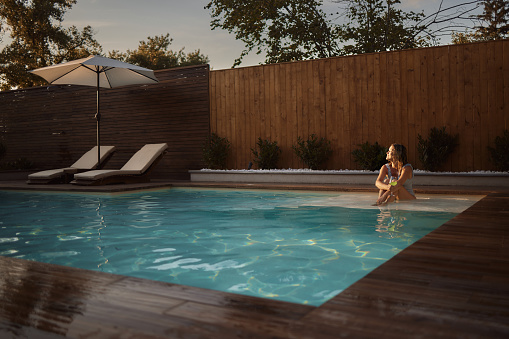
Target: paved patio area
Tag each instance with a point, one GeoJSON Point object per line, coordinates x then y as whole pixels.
{"type": "Point", "coordinates": [453, 283]}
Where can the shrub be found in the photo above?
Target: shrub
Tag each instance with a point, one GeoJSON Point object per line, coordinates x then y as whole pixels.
{"type": "Point", "coordinates": [434, 150]}
{"type": "Point", "coordinates": [313, 152]}
{"type": "Point", "coordinates": [499, 155]}
{"type": "Point", "coordinates": [268, 154]}
{"type": "Point", "coordinates": [215, 151]}
{"type": "Point", "coordinates": [18, 164]}
{"type": "Point", "coordinates": [2, 150]}
{"type": "Point", "coordinates": [370, 157]}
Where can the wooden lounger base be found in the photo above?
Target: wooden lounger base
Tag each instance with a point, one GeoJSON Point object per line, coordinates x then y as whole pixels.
{"type": "Point", "coordinates": [120, 178]}
{"type": "Point", "coordinates": [66, 178]}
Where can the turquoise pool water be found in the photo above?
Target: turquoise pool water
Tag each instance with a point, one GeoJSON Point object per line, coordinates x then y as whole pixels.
{"type": "Point", "coordinates": [302, 247]}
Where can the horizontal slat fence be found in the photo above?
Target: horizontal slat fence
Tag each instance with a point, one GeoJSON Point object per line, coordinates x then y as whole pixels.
{"type": "Point", "coordinates": [53, 126]}
{"type": "Point", "coordinates": [384, 97]}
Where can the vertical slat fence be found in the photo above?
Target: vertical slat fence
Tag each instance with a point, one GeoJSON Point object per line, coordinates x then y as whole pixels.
{"type": "Point", "coordinates": [383, 97]}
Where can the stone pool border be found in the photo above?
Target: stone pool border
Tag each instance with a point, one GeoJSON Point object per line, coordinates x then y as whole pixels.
{"type": "Point", "coordinates": [482, 179]}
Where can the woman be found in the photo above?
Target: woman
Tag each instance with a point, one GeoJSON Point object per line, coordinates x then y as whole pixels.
{"type": "Point", "coordinates": [395, 178]}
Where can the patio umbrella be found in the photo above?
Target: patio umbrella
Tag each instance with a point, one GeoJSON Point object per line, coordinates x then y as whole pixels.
{"type": "Point", "coordinates": [99, 72]}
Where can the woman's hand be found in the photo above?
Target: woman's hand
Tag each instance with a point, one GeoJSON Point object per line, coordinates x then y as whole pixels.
{"type": "Point", "coordinates": [383, 198]}
{"type": "Point", "coordinates": [393, 187]}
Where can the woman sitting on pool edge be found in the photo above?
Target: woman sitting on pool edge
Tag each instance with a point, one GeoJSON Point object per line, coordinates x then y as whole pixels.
{"type": "Point", "coordinates": [395, 178]}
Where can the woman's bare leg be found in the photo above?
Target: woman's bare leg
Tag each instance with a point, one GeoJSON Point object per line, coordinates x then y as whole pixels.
{"type": "Point", "coordinates": [391, 198]}
{"type": "Point", "coordinates": [383, 198]}
{"type": "Point", "coordinates": [402, 194]}
{"type": "Point", "coordinates": [381, 192]}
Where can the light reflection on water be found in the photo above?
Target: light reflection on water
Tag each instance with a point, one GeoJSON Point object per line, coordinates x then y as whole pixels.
{"type": "Point", "coordinates": [302, 247]}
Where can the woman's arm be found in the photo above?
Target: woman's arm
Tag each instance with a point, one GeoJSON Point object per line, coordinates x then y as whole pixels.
{"type": "Point", "coordinates": [383, 198]}
{"type": "Point", "coordinates": [406, 174]}
{"type": "Point", "coordinates": [381, 177]}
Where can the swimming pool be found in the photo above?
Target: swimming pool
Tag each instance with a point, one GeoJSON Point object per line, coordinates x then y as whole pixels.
{"type": "Point", "coordinates": [302, 247]}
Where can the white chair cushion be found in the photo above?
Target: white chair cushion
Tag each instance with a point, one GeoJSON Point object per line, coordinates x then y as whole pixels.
{"type": "Point", "coordinates": [142, 159]}
{"type": "Point", "coordinates": [138, 164]}
{"type": "Point", "coordinates": [51, 174]}
{"type": "Point", "coordinates": [89, 159]}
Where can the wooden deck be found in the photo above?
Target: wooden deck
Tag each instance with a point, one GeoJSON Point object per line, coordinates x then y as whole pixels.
{"type": "Point", "coordinates": [452, 283]}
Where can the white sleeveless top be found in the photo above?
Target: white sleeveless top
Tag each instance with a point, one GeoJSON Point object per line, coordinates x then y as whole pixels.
{"type": "Point", "coordinates": [408, 185]}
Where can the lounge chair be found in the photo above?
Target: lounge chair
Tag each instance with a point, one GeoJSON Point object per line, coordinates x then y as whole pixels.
{"type": "Point", "coordinates": [87, 162]}
{"type": "Point", "coordinates": [135, 170]}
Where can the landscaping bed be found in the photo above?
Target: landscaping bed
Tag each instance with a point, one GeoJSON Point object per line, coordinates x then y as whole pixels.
{"type": "Point", "coordinates": [480, 178]}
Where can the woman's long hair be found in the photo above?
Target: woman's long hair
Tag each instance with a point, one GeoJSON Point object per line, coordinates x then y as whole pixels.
{"type": "Point", "coordinates": [401, 157]}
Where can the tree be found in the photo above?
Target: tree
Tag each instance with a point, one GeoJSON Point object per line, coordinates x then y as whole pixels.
{"type": "Point", "coordinates": [493, 23]}
{"type": "Point", "coordinates": [377, 25]}
{"type": "Point", "coordinates": [495, 16]}
{"type": "Point", "coordinates": [37, 39]}
{"type": "Point", "coordinates": [154, 54]}
{"type": "Point", "coordinates": [285, 30]}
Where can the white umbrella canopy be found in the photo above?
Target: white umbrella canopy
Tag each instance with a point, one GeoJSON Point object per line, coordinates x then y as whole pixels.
{"type": "Point", "coordinates": [96, 71]}
{"type": "Point", "coordinates": [111, 73]}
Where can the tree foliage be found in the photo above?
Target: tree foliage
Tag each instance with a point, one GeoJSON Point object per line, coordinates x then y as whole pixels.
{"type": "Point", "coordinates": [378, 25]}
{"type": "Point", "coordinates": [494, 19]}
{"type": "Point", "coordinates": [493, 23]}
{"type": "Point", "coordinates": [313, 152]}
{"type": "Point", "coordinates": [37, 39]}
{"type": "Point", "coordinates": [266, 154]}
{"type": "Point", "coordinates": [287, 30]}
{"type": "Point", "coordinates": [434, 151]}
{"type": "Point", "coordinates": [499, 155]}
{"type": "Point", "coordinates": [215, 151]}
{"type": "Point", "coordinates": [370, 157]}
{"type": "Point", "coordinates": [284, 30]}
{"type": "Point", "coordinates": [155, 54]}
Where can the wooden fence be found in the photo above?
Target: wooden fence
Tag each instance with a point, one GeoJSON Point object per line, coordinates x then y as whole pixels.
{"type": "Point", "coordinates": [384, 97]}
{"type": "Point", "coordinates": [52, 126]}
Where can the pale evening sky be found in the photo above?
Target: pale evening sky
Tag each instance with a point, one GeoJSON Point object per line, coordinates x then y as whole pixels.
{"type": "Point", "coordinates": [121, 24]}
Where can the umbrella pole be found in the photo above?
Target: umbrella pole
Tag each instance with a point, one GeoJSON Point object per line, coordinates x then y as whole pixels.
{"type": "Point", "coordinates": [98, 119]}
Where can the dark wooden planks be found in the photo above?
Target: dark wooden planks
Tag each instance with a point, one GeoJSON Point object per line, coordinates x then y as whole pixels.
{"type": "Point", "coordinates": [451, 283]}
{"type": "Point", "coordinates": [53, 126]}
{"type": "Point", "coordinates": [75, 303]}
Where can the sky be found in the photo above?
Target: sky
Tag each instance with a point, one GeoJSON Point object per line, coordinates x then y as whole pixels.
{"type": "Point", "coordinates": [122, 24]}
